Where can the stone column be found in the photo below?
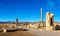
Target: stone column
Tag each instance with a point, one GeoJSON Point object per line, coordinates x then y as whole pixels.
{"type": "Point", "coordinates": [16, 21]}
{"type": "Point", "coordinates": [41, 18]}
{"type": "Point", "coordinates": [47, 21]}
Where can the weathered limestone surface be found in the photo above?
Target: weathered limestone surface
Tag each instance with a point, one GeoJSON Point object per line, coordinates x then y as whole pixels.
{"type": "Point", "coordinates": [49, 21]}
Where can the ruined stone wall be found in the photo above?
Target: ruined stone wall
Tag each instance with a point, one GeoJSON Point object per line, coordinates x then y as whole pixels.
{"type": "Point", "coordinates": [35, 25]}
{"type": "Point", "coordinates": [49, 21]}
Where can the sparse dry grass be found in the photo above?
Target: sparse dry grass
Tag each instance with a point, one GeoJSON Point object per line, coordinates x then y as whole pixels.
{"type": "Point", "coordinates": [18, 33]}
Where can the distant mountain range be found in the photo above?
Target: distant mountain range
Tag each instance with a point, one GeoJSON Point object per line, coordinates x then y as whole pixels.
{"type": "Point", "coordinates": [10, 22]}
{"type": "Point", "coordinates": [7, 22]}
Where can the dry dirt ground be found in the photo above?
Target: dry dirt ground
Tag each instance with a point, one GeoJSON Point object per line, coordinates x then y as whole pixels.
{"type": "Point", "coordinates": [18, 33]}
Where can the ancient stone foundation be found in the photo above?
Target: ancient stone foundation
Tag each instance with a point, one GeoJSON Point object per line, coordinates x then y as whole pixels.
{"type": "Point", "coordinates": [49, 21]}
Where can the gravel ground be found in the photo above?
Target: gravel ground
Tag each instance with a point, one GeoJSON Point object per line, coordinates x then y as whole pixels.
{"type": "Point", "coordinates": [44, 33]}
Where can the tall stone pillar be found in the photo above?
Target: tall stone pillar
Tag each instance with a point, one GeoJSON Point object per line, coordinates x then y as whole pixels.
{"type": "Point", "coordinates": [16, 21]}
{"type": "Point", "coordinates": [41, 18]}
{"type": "Point", "coordinates": [49, 21]}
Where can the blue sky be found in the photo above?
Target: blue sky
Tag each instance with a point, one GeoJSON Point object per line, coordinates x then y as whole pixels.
{"type": "Point", "coordinates": [28, 10]}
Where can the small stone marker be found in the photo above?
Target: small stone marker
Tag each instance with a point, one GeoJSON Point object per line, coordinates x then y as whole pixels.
{"type": "Point", "coordinates": [4, 30]}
